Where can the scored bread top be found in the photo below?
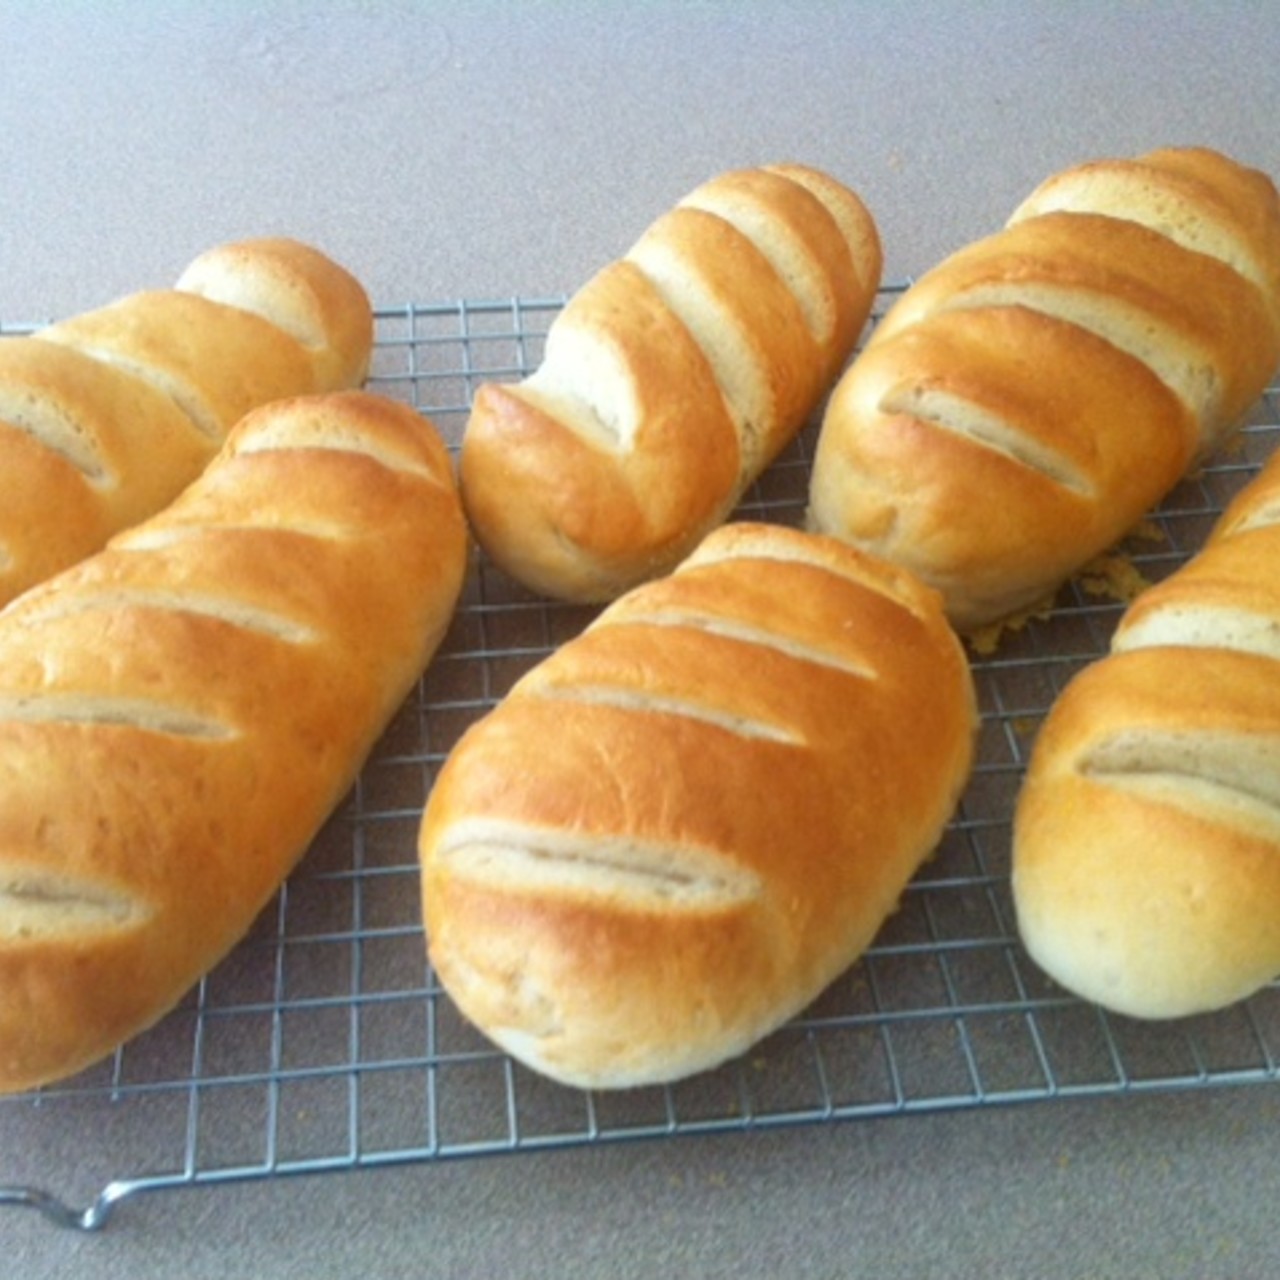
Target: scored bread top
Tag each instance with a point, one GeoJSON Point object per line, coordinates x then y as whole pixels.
{"type": "Point", "coordinates": [669, 381]}
{"type": "Point", "coordinates": [1194, 196]}
{"type": "Point", "coordinates": [1147, 841]}
{"type": "Point", "coordinates": [1155, 280]}
{"type": "Point", "coordinates": [300, 291]}
{"type": "Point", "coordinates": [107, 415]}
{"type": "Point", "coordinates": [181, 712]}
{"type": "Point", "coordinates": [682, 824]}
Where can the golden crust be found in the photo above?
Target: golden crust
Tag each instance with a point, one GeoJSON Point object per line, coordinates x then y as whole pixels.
{"type": "Point", "coordinates": [1199, 197]}
{"type": "Point", "coordinates": [1146, 868]}
{"type": "Point", "coordinates": [180, 713]}
{"type": "Point", "coordinates": [300, 291]}
{"type": "Point", "coordinates": [631, 505]}
{"type": "Point", "coordinates": [143, 391]}
{"type": "Point", "coordinates": [752, 756]}
{"type": "Point", "coordinates": [670, 380]}
{"type": "Point", "coordinates": [1161, 278]}
{"type": "Point", "coordinates": [971, 467]}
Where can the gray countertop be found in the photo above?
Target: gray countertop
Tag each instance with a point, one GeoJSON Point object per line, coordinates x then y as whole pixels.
{"type": "Point", "coordinates": [480, 150]}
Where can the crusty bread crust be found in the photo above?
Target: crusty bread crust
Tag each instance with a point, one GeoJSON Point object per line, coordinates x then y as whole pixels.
{"type": "Point", "coordinates": [680, 827]}
{"type": "Point", "coordinates": [1146, 866]}
{"type": "Point", "coordinates": [671, 379]}
{"type": "Point", "coordinates": [106, 416]}
{"type": "Point", "coordinates": [181, 712]}
{"type": "Point", "coordinates": [1024, 403]}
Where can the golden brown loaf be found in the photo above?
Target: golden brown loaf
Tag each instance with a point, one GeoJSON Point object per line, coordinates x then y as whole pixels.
{"type": "Point", "coordinates": [1147, 843]}
{"type": "Point", "coordinates": [107, 416]}
{"type": "Point", "coordinates": [180, 712]}
{"type": "Point", "coordinates": [751, 758]}
{"type": "Point", "coordinates": [670, 381]}
{"type": "Point", "coordinates": [1024, 403]}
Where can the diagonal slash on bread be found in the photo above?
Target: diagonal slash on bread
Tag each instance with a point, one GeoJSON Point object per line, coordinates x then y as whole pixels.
{"type": "Point", "coordinates": [106, 416]}
{"type": "Point", "coordinates": [1024, 403]}
{"type": "Point", "coordinates": [1146, 866]}
{"type": "Point", "coordinates": [680, 826]}
{"type": "Point", "coordinates": [181, 712]}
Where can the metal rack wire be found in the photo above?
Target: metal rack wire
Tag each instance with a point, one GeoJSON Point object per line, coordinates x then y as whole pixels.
{"type": "Point", "coordinates": [323, 1042]}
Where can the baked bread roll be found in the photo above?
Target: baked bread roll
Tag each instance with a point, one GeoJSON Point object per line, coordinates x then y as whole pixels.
{"type": "Point", "coordinates": [748, 760]}
{"type": "Point", "coordinates": [107, 416]}
{"type": "Point", "coordinates": [1023, 404]}
{"type": "Point", "coordinates": [670, 381]}
{"type": "Point", "coordinates": [1146, 868]}
{"type": "Point", "coordinates": [180, 713]}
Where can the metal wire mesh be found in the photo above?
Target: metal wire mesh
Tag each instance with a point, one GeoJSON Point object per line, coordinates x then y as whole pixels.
{"type": "Point", "coordinates": [324, 1043]}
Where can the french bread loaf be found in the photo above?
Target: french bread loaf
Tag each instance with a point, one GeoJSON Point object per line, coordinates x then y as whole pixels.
{"type": "Point", "coordinates": [1146, 868]}
{"type": "Point", "coordinates": [1024, 403]}
{"type": "Point", "coordinates": [669, 382]}
{"type": "Point", "coordinates": [675, 831]}
{"type": "Point", "coordinates": [105, 417]}
{"type": "Point", "coordinates": [180, 712]}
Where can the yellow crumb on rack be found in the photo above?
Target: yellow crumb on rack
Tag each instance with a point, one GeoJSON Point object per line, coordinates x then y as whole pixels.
{"type": "Point", "coordinates": [1113, 577]}
{"type": "Point", "coordinates": [984, 641]}
{"type": "Point", "coordinates": [1147, 531]}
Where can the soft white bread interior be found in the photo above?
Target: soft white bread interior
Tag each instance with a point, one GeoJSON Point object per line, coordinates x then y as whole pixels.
{"type": "Point", "coordinates": [671, 379]}
{"type": "Point", "coordinates": [674, 832]}
{"type": "Point", "coordinates": [1146, 867]}
{"type": "Point", "coordinates": [181, 712]}
{"type": "Point", "coordinates": [106, 416]}
{"type": "Point", "coordinates": [1024, 403]}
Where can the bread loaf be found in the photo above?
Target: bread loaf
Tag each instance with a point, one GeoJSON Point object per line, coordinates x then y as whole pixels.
{"type": "Point", "coordinates": [107, 416]}
{"type": "Point", "coordinates": [1024, 403]}
{"type": "Point", "coordinates": [675, 831]}
{"type": "Point", "coordinates": [1146, 866]}
{"type": "Point", "coordinates": [180, 713]}
{"type": "Point", "coordinates": [670, 381]}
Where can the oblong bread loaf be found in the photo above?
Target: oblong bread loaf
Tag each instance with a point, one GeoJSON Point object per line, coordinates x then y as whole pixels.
{"type": "Point", "coordinates": [1146, 868]}
{"type": "Point", "coordinates": [1028, 400]}
{"type": "Point", "coordinates": [106, 416]}
{"type": "Point", "coordinates": [670, 380]}
{"type": "Point", "coordinates": [679, 828]}
{"type": "Point", "coordinates": [180, 713]}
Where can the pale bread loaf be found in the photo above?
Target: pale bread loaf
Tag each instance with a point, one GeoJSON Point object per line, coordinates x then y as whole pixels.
{"type": "Point", "coordinates": [1146, 867]}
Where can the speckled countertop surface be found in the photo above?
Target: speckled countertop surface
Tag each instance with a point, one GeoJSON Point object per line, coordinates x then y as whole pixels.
{"type": "Point", "coordinates": [489, 149]}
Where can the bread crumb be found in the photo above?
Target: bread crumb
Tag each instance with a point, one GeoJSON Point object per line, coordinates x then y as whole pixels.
{"type": "Point", "coordinates": [1111, 574]}
{"type": "Point", "coordinates": [1113, 577]}
{"type": "Point", "coordinates": [1147, 531]}
{"type": "Point", "coordinates": [984, 641]}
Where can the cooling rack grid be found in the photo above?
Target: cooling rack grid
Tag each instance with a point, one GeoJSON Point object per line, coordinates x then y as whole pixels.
{"type": "Point", "coordinates": [323, 1042]}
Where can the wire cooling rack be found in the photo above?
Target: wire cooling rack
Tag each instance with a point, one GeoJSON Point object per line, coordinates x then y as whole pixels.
{"type": "Point", "coordinates": [324, 1043]}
